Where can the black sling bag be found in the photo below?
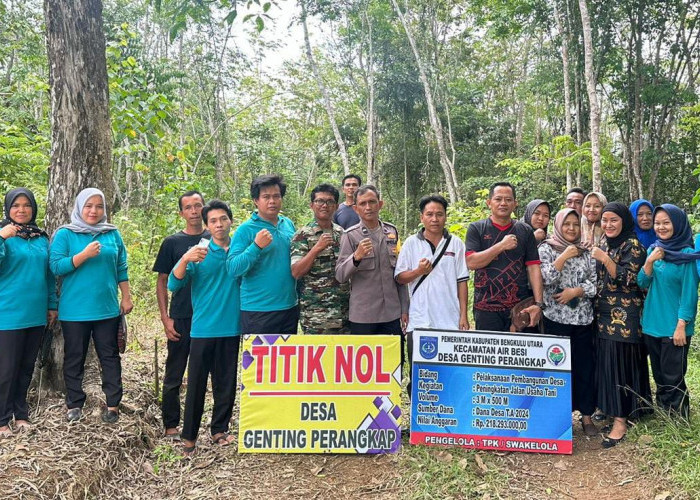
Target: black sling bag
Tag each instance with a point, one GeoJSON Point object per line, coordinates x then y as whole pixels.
{"type": "Point", "coordinates": [435, 262]}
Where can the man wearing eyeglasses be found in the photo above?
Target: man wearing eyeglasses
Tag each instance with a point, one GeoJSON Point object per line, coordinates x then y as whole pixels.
{"type": "Point", "coordinates": [259, 256]}
{"type": "Point", "coordinates": [323, 302]}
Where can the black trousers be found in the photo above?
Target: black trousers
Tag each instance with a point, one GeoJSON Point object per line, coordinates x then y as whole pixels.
{"type": "Point", "coordinates": [583, 395]}
{"type": "Point", "coordinates": [497, 321]}
{"type": "Point", "coordinates": [270, 322]}
{"type": "Point", "coordinates": [494, 321]}
{"type": "Point", "coordinates": [409, 348]}
{"type": "Point", "coordinates": [175, 366]}
{"type": "Point", "coordinates": [18, 351]}
{"type": "Point", "coordinates": [218, 356]}
{"type": "Point", "coordinates": [668, 365]}
{"type": "Point", "coordinates": [388, 328]}
{"type": "Point", "coordinates": [76, 340]}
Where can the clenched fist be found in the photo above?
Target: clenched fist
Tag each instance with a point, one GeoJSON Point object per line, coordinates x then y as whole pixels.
{"type": "Point", "coordinates": [509, 242]}
{"type": "Point", "coordinates": [263, 238]}
{"type": "Point", "coordinates": [599, 255]}
{"type": "Point", "coordinates": [8, 231]}
{"type": "Point", "coordinates": [425, 266]}
{"type": "Point", "coordinates": [364, 248]}
{"type": "Point", "coordinates": [656, 254]}
{"type": "Point", "coordinates": [195, 254]}
{"type": "Point", "coordinates": [325, 241]}
{"type": "Point", "coordinates": [570, 252]}
{"type": "Point", "coordinates": [92, 250]}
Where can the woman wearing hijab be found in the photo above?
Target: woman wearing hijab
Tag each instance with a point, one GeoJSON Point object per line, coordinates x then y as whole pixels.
{"type": "Point", "coordinates": [27, 301]}
{"type": "Point", "coordinates": [90, 256]}
{"type": "Point", "coordinates": [569, 277]}
{"type": "Point", "coordinates": [643, 223]}
{"type": "Point", "coordinates": [537, 215]}
{"type": "Point", "coordinates": [668, 319]}
{"type": "Point", "coordinates": [591, 231]}
{"type": "Point", "coordinates": [621, 361]}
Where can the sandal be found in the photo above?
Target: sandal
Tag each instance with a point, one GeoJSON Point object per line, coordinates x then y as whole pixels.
{"type": "Point", "coordinates": [223, 439]}
{"type": "Point", "coordinates": [22, 427]}
{"type": "Point", "coordinates": [174, 436]}
{"type": "Point", "coordinates": [609, 442]}
{"type": "Point", "coordinates": [189, 451]}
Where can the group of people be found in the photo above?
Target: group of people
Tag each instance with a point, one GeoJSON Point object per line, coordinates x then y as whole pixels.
{"type": "Point", "coordinates": [621, 284]}
{"type": "Point", "coordinates": [89, 256]}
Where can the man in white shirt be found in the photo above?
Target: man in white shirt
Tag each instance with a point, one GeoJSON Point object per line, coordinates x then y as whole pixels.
{"type": "Point", "coordinates": [433, 264]}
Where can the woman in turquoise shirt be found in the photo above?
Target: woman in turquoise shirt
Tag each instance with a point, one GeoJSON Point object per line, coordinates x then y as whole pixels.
{"type": "Point", "coordinates": [27, 302]}
{"type": "Point", "coordinates": [90, 256]}
{"type": "Point", "coordinates": [668, 319]}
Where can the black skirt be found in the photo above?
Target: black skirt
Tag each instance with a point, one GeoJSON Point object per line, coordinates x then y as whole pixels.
{"type": "Point", "coordinates": [622, 378]}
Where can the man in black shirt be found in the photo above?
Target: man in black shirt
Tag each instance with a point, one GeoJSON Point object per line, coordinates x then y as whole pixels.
{"type": "Point", "coordinates": [345, 216]}
{"type": "Point", "coordinates": [178, 321]}
{"type": "Point", "coordinates": [504, 254]}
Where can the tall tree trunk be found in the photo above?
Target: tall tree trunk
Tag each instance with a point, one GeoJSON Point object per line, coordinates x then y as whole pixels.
{"type": "Point", "coordinates": [371, 112]}
{"type": "Point", "coordinates": [592, 96]}
{"type": "Point", "coordinates": [447, 166]}
{"type": "Point", "coordinates": [637, 118]}
{"type": "Point", "coordinates": [81, 138]}
{"type": "Point", "coordinates": [324, 92]}
{"type": "Point", "coordinates": [579, 107]}
{"type": "Point", "coordinates": [564, 33]}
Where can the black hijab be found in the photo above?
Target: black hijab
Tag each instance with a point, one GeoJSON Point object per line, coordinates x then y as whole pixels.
{"type": "Point", "coordinates": [627, 231]}
{"type": "Point", "coordinates": [530, 211]}
{"type": "Point", "coordinates": [26, 231]}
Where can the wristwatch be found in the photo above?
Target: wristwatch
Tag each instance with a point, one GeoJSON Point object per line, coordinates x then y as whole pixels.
{"type": "Point", "coordinates": [540, 305]}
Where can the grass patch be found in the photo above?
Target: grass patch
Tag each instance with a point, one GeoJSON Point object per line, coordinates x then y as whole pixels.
{"type": "Point", "coordinates": [165, 455]}
{"type": "Point", "coordinates": [672, 446]}
{"type": "Point", "coordinates": [441, 472]}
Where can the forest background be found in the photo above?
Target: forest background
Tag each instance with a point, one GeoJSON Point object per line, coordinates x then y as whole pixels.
{"type": "Point", "coordinates": [417, 96]}
{"type": "Point", "coordinates": [449, 96]}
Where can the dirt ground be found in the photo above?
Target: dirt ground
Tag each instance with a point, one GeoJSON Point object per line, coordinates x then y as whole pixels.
{"type": "Point", "coordinates": [131, 459]}
{"type": "Point", "coordinates": [591, 472]}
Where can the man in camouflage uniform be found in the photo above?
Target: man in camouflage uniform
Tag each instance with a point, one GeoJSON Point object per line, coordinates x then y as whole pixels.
{"type": "Point", "coordinates": [314, 252]}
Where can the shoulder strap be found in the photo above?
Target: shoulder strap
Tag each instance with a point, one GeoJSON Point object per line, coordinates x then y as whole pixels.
{"type": "Point", "coordinates": [435, 262]}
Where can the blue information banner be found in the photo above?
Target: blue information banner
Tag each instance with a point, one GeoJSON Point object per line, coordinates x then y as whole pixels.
{"type": "Point", "coordinates": [491, 390]}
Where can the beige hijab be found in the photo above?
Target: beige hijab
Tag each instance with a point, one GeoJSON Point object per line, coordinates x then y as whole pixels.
{"type": "Point", "coordinates": [591, 232]}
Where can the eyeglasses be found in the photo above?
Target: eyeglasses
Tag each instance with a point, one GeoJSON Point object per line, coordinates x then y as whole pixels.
{"type": "Point", "coordinates": [322, 203]}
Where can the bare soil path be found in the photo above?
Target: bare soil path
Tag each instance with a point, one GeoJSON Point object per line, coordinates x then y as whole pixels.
{"type": "Point", "coordinates": [131, 460]}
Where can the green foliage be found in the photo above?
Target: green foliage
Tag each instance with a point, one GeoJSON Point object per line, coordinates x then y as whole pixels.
{"type": "Point", "coordinates": [460, 214]}
{"type": "Point", "coordinates": [24, 125]}
{"type": "Point", "coordinates": [184, 12]}
{"type": "Point", "coordinates": [437, 472]}
{"type": "Point", "coordinates": [165, 454]}
{"type": "Point", "coordinates": [670, 443]}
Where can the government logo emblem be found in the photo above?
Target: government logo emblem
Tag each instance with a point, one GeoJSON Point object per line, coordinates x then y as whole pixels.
{"type": "Point", "coordinates": [556, 354]}
{"type": "Point", "coordinates": [428, 347]}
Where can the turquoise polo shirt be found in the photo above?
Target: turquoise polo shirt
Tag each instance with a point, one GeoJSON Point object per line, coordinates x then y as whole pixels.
{"type": "Point", "coordinates": [27, 285]}
{"type": "Point", "coordinates": [673, 295]}
{"type": "Point", "coordinates": [216, 305]}
{"type": "Point", "coordinates": [89, 292]}
{"type": "Point", "coordinates": [267, 283]}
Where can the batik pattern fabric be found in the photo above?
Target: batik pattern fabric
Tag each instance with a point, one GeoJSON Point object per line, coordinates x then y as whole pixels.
{"type": "Point", "coordinates": [620, 300]}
